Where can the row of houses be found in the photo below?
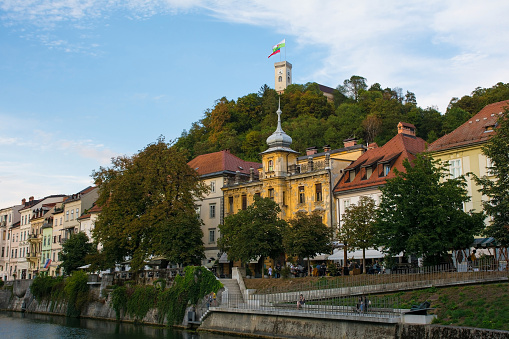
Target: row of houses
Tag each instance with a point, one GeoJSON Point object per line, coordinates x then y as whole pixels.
{"type": "Point", "coordinates": [326, 181]}
{"type": "Point", "coordinates": [32, 233]}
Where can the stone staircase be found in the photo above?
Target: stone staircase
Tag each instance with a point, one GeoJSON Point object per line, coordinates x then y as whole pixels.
{"type": "Point", "coordinates": [233, 295]}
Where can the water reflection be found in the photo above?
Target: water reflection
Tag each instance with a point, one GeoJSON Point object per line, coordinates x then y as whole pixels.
{"type": "Point", "coordinates": [17, 325]}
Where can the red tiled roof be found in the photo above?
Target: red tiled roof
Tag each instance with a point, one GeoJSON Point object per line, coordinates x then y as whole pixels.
{"type": "Point", "coordinates": [95, 209]}
{"type": "Point", "coordinates": [402, 146]}
{"type": "Point", "coordinates": [473, 131]}
{"type": "Point", "coordinates": [219, 162]}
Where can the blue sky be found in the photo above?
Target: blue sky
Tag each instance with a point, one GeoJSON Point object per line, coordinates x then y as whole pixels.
{"type": "Point", "coordinates": [82, 81]}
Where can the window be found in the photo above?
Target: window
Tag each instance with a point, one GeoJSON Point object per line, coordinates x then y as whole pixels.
{"type": "Point", "coordinates": [318, 189]}
{"type": "Point", "coordinates": [244, 202]}
{"type": "Point", "coordinates": [212, 210]}
{"type": "Point", "coordinates": [455, 168]}
{"type": "Point", "coordinates": [54, 239]}
{"type": "Point", "coordinates": [387, 169]}
{"type": "Point", "coordinates": [212, 235]}
{"type": "Point", "coordinates": [346, 204]}
{"type": "Point", "coordinates": [212, 186]}
{"type": "Point", "coordinates": [198, 210]}
{"type": "Point", "coordinates": [77, 213]}
{"type": "Point", "coordinates": [489, 164]}
{"type": "Point", "coordinates": [369, 171]}
{"type": "Point", "coordinates": [351, 175]}
{"type": "Point", "coordinates": [67, 216]}
{"type": "Point", "coordinates": [302, 197]}
{"type": "Point", "coordinates": [230, 205]}
{"type": "Point", "coordinates": [60, 220]}
{"type": "Point", "coordinates": [280, 79]}
{"type": "Point", "coordinates": [72, 214]}
{"type": "Point", "coordinates": [271, 193]}
{"type": "Point", "coordinates": [271, 166]}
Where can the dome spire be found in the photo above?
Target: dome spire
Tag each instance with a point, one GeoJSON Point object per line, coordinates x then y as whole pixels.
{"type": "Point", "coordinates": [279, 138]}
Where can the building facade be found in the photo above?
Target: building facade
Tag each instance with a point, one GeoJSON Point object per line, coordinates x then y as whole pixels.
{"type": "Point", "coordinates": [461, 150]}
{"type": "Point", "coordinates": [215, 169]}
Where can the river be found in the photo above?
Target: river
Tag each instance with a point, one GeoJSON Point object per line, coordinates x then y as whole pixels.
{"type": "Point", "coordinates": [14, 325]}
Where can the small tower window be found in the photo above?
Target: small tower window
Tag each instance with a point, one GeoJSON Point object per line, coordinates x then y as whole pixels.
{"type": "Point", "coordinates": [302, 197]}
{"type": "Point", "coordinates": [271, 165]}
{"type": "Point", "coordinates": [280, 79]}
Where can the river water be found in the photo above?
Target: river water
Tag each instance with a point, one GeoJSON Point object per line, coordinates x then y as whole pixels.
{"type": "Point", "coordinates": [14, 325]}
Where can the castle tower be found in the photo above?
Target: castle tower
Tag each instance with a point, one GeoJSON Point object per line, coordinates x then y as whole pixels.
{"type": "Point", "coordinates": [282, 75]}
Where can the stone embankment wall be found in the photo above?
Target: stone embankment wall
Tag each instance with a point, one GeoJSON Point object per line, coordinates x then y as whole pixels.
{"type": "Point", "coordinates": [260, 325]}
{"type": "Point", "coordinates": [21, 299]}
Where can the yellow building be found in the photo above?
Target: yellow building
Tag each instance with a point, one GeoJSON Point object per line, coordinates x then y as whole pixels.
{"type": "Point", "coordinates": [297, 183]}
{"type": "Point", "coordinates": [461, 149]}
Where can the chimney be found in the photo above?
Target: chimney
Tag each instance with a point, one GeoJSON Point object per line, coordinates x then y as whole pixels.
{"type": "Point", "coordinates": [251, 174]}
{"type": "Point", "coordinates": [326, 148]}
{"type": "Point", "coordinates": [372, 145]}
{"type": "Point", "coordinates": [350, 142]}
{"type": "Point", "coordinates": [311, 150]}
{"type": "Point", "coordinates": [406, 128]}
{"type": "Point", "coordinates": [23, 201]}
{"type": "Point", "coordinates": [31, 198]}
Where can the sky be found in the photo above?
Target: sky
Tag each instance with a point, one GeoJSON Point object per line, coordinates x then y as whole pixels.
{"type": "Point", "coordinates": [82, 81]}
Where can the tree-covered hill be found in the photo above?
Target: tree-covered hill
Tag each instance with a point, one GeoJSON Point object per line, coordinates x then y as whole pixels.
{"type": "Point", "coordinates": [369, 114]}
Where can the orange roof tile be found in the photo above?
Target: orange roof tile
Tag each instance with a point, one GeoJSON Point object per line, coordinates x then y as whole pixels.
{"type": "Point", "coordinates": [402, 146]}
{"type": "Point", "coordinates": [475, 130]}
{"type": "Point", "coordinates": [219, 162]}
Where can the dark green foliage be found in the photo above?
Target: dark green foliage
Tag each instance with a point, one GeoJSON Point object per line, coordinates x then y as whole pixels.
{"type": "Point", "coordinates": [255, 231]}
{"type": "Point", "coordinates": [189, 289]}
{"type": "Point", "coordinates": [368, 114]}
{"type": "Point", "coordinates": [43, 287]}
{"type": "Point", "coordinates": [422, 214]}
{"type": "Point", "coordinates": [76, 290]}
{"type": "Point", "coordinates": [306, 236]}
{"type": "Point", "coordinates": [148, 207]}
{"type": "Point", "coordinates": [140, 301]}
{"type": "Point", "coordinates": [481, 97]}
{"type": "Point", "coordinates": [496, 187]}
{"type": "Point", "coordinates": [119, 300]}
{"type": "Point", "coordinates": [74, 251]}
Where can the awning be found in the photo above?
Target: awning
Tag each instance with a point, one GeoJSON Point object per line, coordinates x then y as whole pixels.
{"type": "Point", "coordinates": [84, 267]}
{"type": "Point", "coordinates": [224, 259]}
{"type": "Point", "coordinates": [319, 257]}
{"type": "Point", "coordinates": [485, 242]}
{"type": "Point", "coordinates": [370, 254]}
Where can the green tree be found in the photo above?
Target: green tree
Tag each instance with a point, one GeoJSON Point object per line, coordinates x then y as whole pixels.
{"type": "Point", "coordinates": [74, 251]}
{"type": "Point", "coordinates": [352, 87]}
{"type": "Point", "coordinates": [496, 186]}
{"type": "Point", "coordinates": [148, 207]}
{"type": "Point", "coordinates": [421, 212]}
{"type": "Point", "coordinates": [253, 232]}
{"type": "Point", "coordinates": [358, 228]}
{"type": "Point", "coordinates": [307, 236]}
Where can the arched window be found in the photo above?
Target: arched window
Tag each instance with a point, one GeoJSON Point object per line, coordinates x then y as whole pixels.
{"type": "Point", "coordinates": [280, 79]}
{"type": "Point", "coordinates": [271, 165]}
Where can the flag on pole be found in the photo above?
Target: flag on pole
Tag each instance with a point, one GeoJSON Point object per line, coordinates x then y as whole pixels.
{"type": "Point", "coordinates": [275, 52]}
{"type": "Point", "coordinates": [48, 262]}
{"type": "Point", "coordinates": [277, 48]}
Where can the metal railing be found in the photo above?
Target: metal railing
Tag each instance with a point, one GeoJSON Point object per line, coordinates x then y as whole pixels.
{"type": "Point", "coordinates": [353, 306]}
{"type": "Point", "coordinates": [440, 275]}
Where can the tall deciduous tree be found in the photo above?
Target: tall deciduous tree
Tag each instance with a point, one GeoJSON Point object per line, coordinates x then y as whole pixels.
{"type": "Point", "coordinates": [307, 236]}
{"type": "Point", "coordinates": [353, 86]}
{"type": "Point", "coordinates": [74, 251]}
{"type": "Point", "coordinates": [497, 188]}
{"type": "Point", "coordinates": [421, 212]}
{"type": "Point", "coordinates": [148, 207]}
{"type": "Point", "coordinates": [358, 228]}
{"type": "Point", "coordinates": [253, 232]}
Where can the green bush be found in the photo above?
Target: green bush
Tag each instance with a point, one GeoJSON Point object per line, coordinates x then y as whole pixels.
{"type": "Point", "coordinates": [76, 290]}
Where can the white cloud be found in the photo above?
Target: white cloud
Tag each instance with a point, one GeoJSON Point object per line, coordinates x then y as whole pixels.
{"type": "Point", "coordinates": [431, 46]}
